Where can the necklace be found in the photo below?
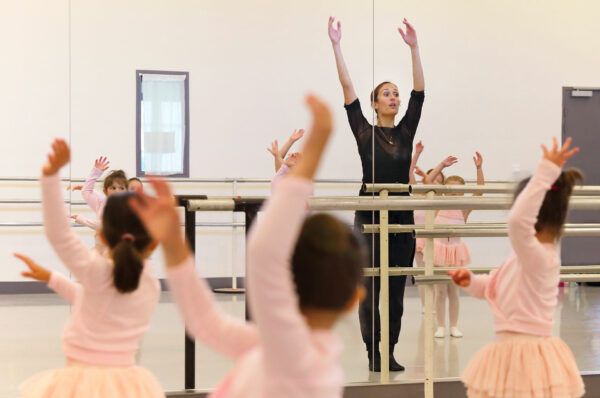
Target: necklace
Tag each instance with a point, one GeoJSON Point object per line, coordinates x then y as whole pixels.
{"type": "Point", "coordinates": [388, 140]}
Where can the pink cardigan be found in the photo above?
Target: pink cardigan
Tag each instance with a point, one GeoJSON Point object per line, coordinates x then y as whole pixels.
{"type": "Point", "coordinates": [104, 326]}
{"type": "Point", "coordinates": [279, 356]}
{"type": "Point", "coordinates": [523, 291]}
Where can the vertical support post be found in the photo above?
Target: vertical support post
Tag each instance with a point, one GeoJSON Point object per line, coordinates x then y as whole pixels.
{"type": "Point", "coordinates": [190, 344]}
{"type": "Point", "coordinates": [233, 252]}
{"type": "Point", "coordinates": [429, 297]}
{"type": "Point", "coordinates": [384, 291]}
{"type": "Point", "coordinates": [250, 213]}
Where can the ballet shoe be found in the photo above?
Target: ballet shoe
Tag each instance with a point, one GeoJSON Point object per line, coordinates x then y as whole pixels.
{"type": "Point", "coordinates": [454, 332]}
{"type": "Point", "coordinates": [440, 333]}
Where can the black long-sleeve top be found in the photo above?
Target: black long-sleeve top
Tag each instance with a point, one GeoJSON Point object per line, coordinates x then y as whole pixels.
{"type": "Point", "coordinates": [393, 145]}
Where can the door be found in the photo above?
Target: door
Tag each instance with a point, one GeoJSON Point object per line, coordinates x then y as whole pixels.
{"type": "Point", "coordinates": [581, 120]}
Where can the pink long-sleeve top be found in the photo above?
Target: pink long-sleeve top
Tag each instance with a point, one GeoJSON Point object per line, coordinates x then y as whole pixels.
{"type": "Point", "coordinates": [523, 291]}
{"type": "Point", "coordinates": [104, 326]}
{"type": "Point", "coordinates": [96, 201]}
{"type": "Point", "coordinates": [64, 287]}
{"type": "Point", "coordinates": [279, 356]}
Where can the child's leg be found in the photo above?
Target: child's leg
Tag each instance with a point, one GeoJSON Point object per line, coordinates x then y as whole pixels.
{"type": "Point", "coordinates": [420, 263]}
{"type": "Point", "coordinates": [441, 292]}
{"type": "Point", "coordinates": [453, 304]}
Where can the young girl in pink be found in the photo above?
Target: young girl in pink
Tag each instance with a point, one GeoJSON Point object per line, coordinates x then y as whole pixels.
{"type": "Point", "coordinates": [113, 305]}
{"type": "Point", "coordinates": [452, 252]}
{"type": "Point", "coordinates": [115, 182]}
{"type": "Point", "coordinates": [525, 361]}
{"type": "Point", "coordinates": [433, 176]}
{"type": "Point", "coordinates": [283, 166]}
{"type": "Point", "coordinates": [302, 276]}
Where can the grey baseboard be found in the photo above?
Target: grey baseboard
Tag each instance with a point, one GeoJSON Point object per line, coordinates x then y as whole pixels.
{"type": "Point", "coordinates": [442, 389]}
{"type": "Point", "coordinates": [26, 287]}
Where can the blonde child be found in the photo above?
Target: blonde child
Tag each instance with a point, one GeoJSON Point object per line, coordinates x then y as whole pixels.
{"type": "Point", "coordinates": [452, 252]}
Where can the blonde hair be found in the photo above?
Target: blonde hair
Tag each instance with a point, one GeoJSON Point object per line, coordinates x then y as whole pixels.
{"type": "Point", "coordinates": [458, 179]}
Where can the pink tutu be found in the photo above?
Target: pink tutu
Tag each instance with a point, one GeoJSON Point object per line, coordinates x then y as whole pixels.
{"type": "Point", "coordinates": [89, 381]}
{"type": "Point", "coordinates": [523, 366]}
{"type": "Point", "coordinates": [450, 254]}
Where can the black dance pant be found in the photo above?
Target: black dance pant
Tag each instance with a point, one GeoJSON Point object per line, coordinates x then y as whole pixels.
{"type": "Point", "coordinates": [401, 254]}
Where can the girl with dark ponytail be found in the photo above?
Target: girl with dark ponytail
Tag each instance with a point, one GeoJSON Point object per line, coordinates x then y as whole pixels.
{"type": "Point", "coordinates": [112, 306]}
{"type": "Point", "coordinates": [525, 360]}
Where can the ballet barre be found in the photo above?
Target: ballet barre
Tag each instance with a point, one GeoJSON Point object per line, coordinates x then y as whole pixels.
{"type": "Point", "coordinates": [487, 188]}
{"type": "Point", "coordinates": [428, 275]}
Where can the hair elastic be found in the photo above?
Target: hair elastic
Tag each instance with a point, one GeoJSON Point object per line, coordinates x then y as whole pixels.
{"type": "Point", "coordinates": [554, 188]}
{"type": "Point", "coordinates": [128, 237]}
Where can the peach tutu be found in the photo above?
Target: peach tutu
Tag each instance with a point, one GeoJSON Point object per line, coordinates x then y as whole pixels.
{"type": "Point", "coordinates": [450, 254]}
{"type": "Point", "coordinates": [78, 380]}
{"type": "Point", "coordinates": [523, 366]}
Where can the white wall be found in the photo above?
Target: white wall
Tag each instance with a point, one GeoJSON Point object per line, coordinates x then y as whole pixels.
{"type": "Point", "coordinates": [494, 72]}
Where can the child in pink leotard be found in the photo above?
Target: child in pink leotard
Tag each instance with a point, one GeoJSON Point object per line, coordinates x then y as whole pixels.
{"type": "Point", "coordinates": [525, 360]}
{"type": "Point", "coordinates": [452, 252]}
{"type": "Point", "coordinates": [433, 176]}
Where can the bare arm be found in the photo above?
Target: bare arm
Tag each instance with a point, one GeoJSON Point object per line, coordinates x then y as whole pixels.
{"type": "Point", "coordinates": [478, 160]}
{"type": "Point", "coordinates": [296, 135]}
{"type": "Point", "coordinates": [336, 35]}
{"type": "Point", "coordinates": [430, 178]}
{"type": "Point", "coordinates": [276, 155]}
{"type": "Point", "coordinates": [410, 38]}
{"type": "Point", "coordinates": [413, 164]}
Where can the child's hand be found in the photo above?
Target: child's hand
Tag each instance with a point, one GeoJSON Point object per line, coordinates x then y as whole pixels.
{"type": "Point", "coordinates": [335, 35]}
{"type": "Point", "coordinates": [559, 156]}
{"type": "Point", "coordinates": [58, 158]}
{"type": "Point", "coordinates": [419, 147]}
{"type": "Point", "coordinates": [449, 161]}
{"type": "Point", "coordinates": [101, 163]}
{"type": "Point", "coordinates": [158, 214]}
{"type": "Point", "coordinates": [297, 134]}
{"type": "Point", "coordinates": [274, 148]}
{"type": "Point", "coordinates": [75, 188]}
{"type": "Point", "coordinates": [420, 172]}
{"type": "Point", "coordinates": [36, 272]}
{"type": "Point", "coordinates": [478, 160]}
{"type": "Point", "coordinates": [461, 277]}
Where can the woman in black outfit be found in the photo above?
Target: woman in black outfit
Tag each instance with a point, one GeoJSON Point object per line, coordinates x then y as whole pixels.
{"type": "Point", "coordinates": [385, 153]}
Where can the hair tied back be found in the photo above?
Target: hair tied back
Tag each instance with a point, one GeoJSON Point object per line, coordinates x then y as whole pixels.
{"type": "Point", "coordinates": [128, 237]}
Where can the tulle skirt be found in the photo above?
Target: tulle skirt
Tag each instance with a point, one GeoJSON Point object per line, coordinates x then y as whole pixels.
{"type": "Point", "coordinates": [451, 254]}
{"type": "Point", "coordinates": [523, 366]}
{"type": "Point", "coordinates": [79, 380]}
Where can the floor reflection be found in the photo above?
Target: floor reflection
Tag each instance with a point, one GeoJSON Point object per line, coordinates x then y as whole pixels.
{"type": "Point", "coordinates": [32, 324]}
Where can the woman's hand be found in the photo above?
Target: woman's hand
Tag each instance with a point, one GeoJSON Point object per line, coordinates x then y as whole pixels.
{"type": "Point", "coordinates": [335, 34]}
{"type": "Point", "coordinates": [449, 161]}
{"type": "Point", "coordinates": [36, 271]}
{"type": "Point", "coordinates": [58, 158]}
{"type": "Point", "coordinates": [101, 163]}
{"type": "Point", "coordinates": [410, 37]}
{"type": "Point", "coordinates": [478, 160]}
{"type": "Point", "coordinates": [559, 156]}
{"type": "Point", "coordinates": [461, 277]}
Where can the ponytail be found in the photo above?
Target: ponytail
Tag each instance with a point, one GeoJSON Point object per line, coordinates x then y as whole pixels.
{"type": "Point", "coordinates": [127, 239]}
{"type": "Point", "coordinates": [128, 266]}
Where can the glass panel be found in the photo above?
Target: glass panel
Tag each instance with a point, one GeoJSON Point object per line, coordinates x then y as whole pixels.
{"type": "Point", "coordinates": [162, 123]}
